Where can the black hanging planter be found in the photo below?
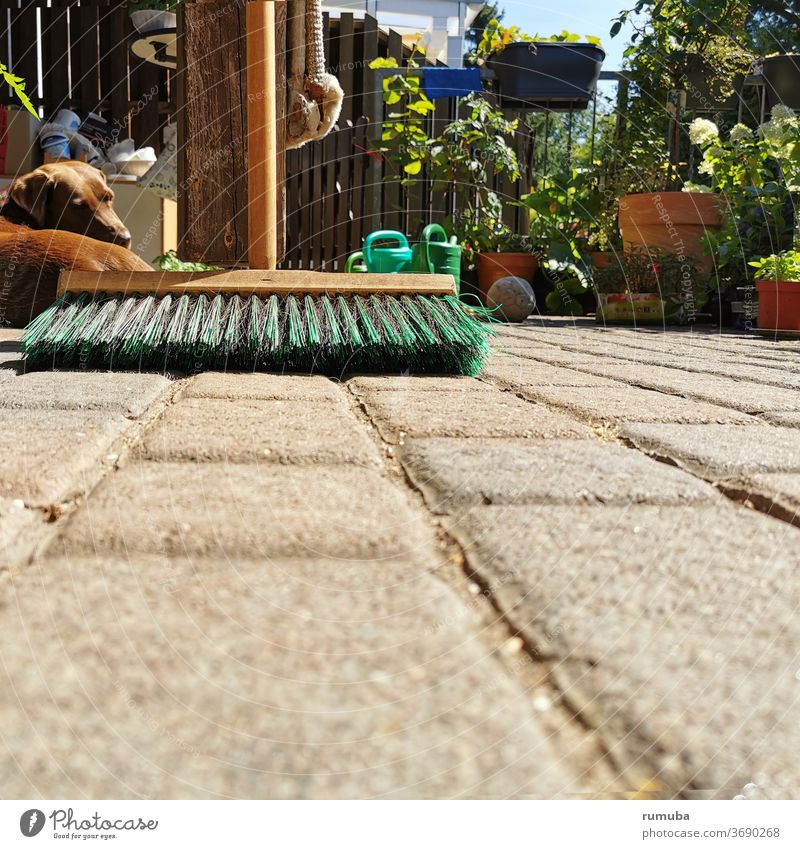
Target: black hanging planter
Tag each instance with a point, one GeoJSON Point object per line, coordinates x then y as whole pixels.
{"type": "Point", "coordinates": [557, 76]}
{"type": "Point", "coordinates": [782, 76]}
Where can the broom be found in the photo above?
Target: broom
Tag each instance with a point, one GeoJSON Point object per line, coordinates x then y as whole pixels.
{"type": "Point", "coordinates": [260, 320]}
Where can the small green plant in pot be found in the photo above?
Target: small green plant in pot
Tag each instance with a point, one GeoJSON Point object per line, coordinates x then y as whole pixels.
{"type": "Point", "coordinates": [778, 283]}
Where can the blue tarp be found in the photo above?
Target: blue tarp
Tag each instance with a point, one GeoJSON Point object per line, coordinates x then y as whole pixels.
{"type": "Point", "coordinates": [451, 82]}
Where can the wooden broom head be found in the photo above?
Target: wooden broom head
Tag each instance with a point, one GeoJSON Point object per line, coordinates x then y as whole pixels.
{"type": "Point", "coordinates": [253, 282]}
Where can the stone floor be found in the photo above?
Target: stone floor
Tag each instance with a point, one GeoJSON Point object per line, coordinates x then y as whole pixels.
{"type": "Point", "coordinates": [575, 577]}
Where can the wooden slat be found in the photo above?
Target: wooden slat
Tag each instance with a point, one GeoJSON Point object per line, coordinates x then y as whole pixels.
{"type": "Point", "coordinates": [55, 60]}
{"type": "Point", "coordinates": [253, 282]}
{"type": "Point", "coordinates": [328, 234]}
{"type": "Point", "coordinates": [281, 117]}
{"type": "Point", "coordinates": [346, 66]}
{"type": "Point", "coordinates": [344, 181]}
{"type": "Point", "coordinates": [24, 36]}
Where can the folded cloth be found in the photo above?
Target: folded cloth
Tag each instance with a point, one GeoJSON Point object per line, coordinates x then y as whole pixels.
{"type": "Point", "coordinates": [451, 82]}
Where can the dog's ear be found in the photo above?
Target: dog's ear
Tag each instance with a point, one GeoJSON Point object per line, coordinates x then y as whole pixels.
{"type": "Point", "coordinates": [32, 193]}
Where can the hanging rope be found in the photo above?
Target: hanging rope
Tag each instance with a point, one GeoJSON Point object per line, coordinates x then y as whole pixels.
{"type": "Point", "coordinates": [315, 96]}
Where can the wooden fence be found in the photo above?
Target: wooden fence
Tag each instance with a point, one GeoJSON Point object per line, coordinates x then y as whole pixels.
{"type": "Point", "coordinates": [86, 64]}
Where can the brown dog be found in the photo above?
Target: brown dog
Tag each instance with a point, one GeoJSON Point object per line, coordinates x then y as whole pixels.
{"type": "Point", "coordinates": [59, 217]}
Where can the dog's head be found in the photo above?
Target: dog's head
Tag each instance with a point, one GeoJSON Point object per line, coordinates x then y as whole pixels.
{"type": "Point", "coordinates": [71, 196]}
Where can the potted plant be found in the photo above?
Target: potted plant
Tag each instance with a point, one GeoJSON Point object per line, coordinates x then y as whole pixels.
{"type": "Point", "coordinates": [502, 253]}
{"type": "Point", "coordinates": [559, 72]}
{"type": "Point", "coordinates": [778, 283]}
{"type": "Point", "coordinates": [649, 287]}
{"type": "Point", "coordinates": [151, 15]}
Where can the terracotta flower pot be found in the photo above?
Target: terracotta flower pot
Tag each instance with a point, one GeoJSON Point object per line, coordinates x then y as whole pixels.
{"type": "Point", "coordinates": [602, 259]}
{"type": "Point", "coordinates": [493, 267]}
{"type": "Point", "coordinates": [671, 222]}
{"type": "Point", "coordinates": [778, 304]}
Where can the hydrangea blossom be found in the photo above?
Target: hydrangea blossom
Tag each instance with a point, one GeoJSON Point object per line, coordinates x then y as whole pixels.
{"type": "Point", "coordinates": [773, 131]}
{"type": "Point", "coordinates": [706, 167]}
{"type": "Point", "coordinates": [741, 133]}
{"type": "Point", "coordinates": [781, 113]}
{"type": "Point", "coordinates": [702, 131]}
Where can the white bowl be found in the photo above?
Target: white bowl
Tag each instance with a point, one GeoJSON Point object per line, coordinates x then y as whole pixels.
{"type": "Point", "coordinates": [136, 167]}
{"type": "Point", "coordinates": [148, 20]}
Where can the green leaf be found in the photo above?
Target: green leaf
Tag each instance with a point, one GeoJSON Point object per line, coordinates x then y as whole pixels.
{"type": "Point", "coordinates": [383, 63]}
{"type": "Point", "coordinates": [413, 168]}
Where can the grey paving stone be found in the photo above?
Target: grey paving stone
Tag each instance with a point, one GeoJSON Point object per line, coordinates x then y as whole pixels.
{"type": "Point", "coordinates": [487, 414]}
{"type": "Point", "coordinates": [454, 474]}
{"type": "Point", "coordinates": [720, 450]}
{"type": "Point", "coordinates": [261, 387]}
{"type": "Point", "coordinates": [123, 392]}
{"type": "Point", "coordinates": [298, 432]}
{"type": "Point", "coordinates": [408, 383]}
{"type": "Point", "coordinates": [258, 680]}
{"type": "Point", "coordinates": [781, 488]}
{"type": "Point", "coordinates": [524, 374]}
{"type": "Point", "coordinates": [16, 521]}
{"type": "Point", "coordinates": [622, 404]}
{"type": "Point", "coordinates": [785, 419]}
{"type": "Point", "coordinates": [664, 624]}
{"type": "Point", "coordinates": [232, 510]}
{"type": "Point", "coordinates": [49, 456]}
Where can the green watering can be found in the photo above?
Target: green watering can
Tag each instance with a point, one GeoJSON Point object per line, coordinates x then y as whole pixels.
{"type": "Point", "coordinates": [440, 255]}
{"type": "Point", "coordinates": [388, 260]}
{"type": "Point", "coordinates": [355, 264]}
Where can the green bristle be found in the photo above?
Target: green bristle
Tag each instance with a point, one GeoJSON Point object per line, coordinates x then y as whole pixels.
{"type": "Point", "coordinates": [334, 333]}
{"type": "Point", "coordinates": [294, 335]}
{"type": "Point", "coordinates": [321, 334]}
{"type": "Point", "coordinates": [370, 331]}
{"type": "Point", "coordinates": [177, 324]}
{"type": "Point", "coordinates": [312, 322]}
{"type": "Point", "coordinates": [272, 327]}
{"type": "Point", "coordinates": [350, 325]}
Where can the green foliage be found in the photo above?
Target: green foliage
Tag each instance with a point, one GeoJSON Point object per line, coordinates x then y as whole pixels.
{"type": "Point", "coordinates": [495, 38]}
{"type": "Point", "coordinates": [473, 36]}
{"type": "Point", "coordinates": [18, 85]}
{"type": "Point", "coordinates": [782, 266]}
{"type": "Point", "coordinates": [170, 262]}
{"type": "Point", "coordinates": [756, 175]}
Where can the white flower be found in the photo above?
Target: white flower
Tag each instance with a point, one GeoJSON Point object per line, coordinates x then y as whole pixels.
{"type": "Point", "coordinates": [781, 113]}
{"type": "Point", "coordinates": [740, 133]}
{"type": "Point", "coordinates": [702, 131]}
{"type": "Point", "coordinates": [706, 167]}
{"type": "Point", "coordinates": [772, 132]}
{"type": "Point", "coordinates": [697, 188]}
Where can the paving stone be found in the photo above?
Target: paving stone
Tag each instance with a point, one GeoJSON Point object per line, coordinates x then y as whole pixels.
{"type": "Point", "coordinates": [232, 510]}
{"type": "Point", "coordinates": [785, 419]}
{"type": "Point", "coordinates": [781, 488]}
{"type": "Point", "coordinates": [668, 627]}
{"type": "Point", "coordinates": [261, 387]}
{"type": "Point", "coordinates": [10, 356]}
{"type": "Point", "coordinates": [487, 414]}
{"type": "Point", "coordinates": [630, 404]}
{"type": "Point", "coordinates": [405, 383]}
{"type": "Point", "coordinates": [454, 474]}
{"type": "Point", "coordinates": [128, 393]}
{"type": "Point", "coordinates": [740, 395]}
{"type": "Point", "coordinates": [16, 521]}
{"type": "Point", "coordinates": [203, 429]}
{"type": "Point", "coordinates": [296, 680]}
{"type": "Point", "coordinates": [720, 450]}
{"type": "Point", "coordinates": [49, 456]}
{"type": "Point", "coordinates": [524, 374]}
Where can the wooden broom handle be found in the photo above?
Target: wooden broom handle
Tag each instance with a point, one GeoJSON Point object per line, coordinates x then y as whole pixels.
{"type": "Point", "coordinates": [262, 135]}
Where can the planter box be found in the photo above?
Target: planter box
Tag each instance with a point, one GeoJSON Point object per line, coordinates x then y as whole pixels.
{"type": "Point", "coordinates": [627, 308]}
{"type": "Point", "coordinates": [548, 75]}
{"type": "Point", "coordinates": [782, 75]}
{"type": "Point", "coordinates": [778, 304]}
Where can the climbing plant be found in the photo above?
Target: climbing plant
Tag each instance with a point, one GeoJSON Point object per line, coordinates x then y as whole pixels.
{"type": "Point", "coordinates": [18, 86]}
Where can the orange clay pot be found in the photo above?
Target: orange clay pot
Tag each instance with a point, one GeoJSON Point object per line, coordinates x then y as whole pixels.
{"type": "Point", "coordinates": [493, 267]}
{"type": "Point", "coordinates": [778, 304]}
{"type": "Point", "coordinates": [671, 222]}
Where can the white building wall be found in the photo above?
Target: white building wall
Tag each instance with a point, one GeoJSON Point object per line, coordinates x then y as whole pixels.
{"type": "Point", "coordinates": [442, 22]}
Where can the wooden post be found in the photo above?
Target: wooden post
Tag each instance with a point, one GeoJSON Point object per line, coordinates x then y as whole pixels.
{"type": "Point", "coordinates": [262, 135]}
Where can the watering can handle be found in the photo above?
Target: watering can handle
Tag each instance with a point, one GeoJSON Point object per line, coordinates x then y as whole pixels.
{"type": "Point", "coordinates": [382, 236]}
{"type": "Point", "coordinates": [427, 237]}
{"type": "Point", "coordinates": [352, 260]}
